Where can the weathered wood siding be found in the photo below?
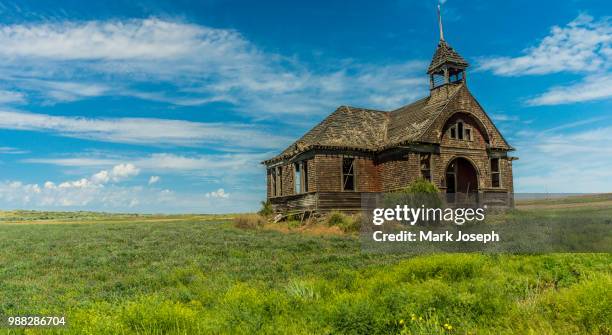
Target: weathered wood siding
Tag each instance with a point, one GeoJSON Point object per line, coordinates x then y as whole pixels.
{"type": "Point", "coordinates": [295, 203]}
{"type": "Point", "coordinates": [343, 201]}
{"type": "Point", "coordinates": [398, 170]}
{"type": "Point", "coordinates": [320, 202]}
{"type": "Point", "coordinates": [328, 173]}
{"type": "Point", "coordinates": [368, 179]}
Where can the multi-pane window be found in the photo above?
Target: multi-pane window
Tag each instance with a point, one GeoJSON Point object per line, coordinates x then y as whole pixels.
{"type": "Point", "coordinates": [425, 163]}
{"type": "Point", "coordinates": [348, 174]}
{"type": "Point", "coordinates": [495, 173]}
{"type": "Point", "coordinates": [459, 131]}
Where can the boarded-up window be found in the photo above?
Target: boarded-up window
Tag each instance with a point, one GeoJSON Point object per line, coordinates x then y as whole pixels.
{"type": "Point", "coordinates": [348, 174]}
{"type": "Point", "coordinates": [273, 182]}
{"type": "Point", "coordinates": [425, 162]}
{"type": "Point", "coordinates": [495, 173]}
{"type": "Point", "coordinates": [279, 183]}
{"type": "Point", "coordinates": [297, 178]}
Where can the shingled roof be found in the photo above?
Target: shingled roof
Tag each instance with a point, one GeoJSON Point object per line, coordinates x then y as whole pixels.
{"type": "Point", "coordinates": [347, 127]}
{"type": "Point", "coordinates": [371, 130]}
{"type": "Point", "coordinates": [445, 54]}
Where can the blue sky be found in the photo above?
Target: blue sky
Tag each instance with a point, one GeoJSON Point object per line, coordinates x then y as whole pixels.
{"type": "Point", "coordinates": [169, 106]}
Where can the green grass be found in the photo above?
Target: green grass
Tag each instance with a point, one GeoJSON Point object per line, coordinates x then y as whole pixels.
{"type": "Point", "coordinates": [192, 274]}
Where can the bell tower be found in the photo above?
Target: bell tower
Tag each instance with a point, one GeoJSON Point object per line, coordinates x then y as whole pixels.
{"type": "Point", "coordinates": [447, 66]}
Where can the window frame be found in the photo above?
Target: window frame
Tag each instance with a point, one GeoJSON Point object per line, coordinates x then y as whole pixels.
{"type": "Point", "coordinates": [425, 171]}
{"type": "Point", "coordinates": [466, 131]}
{"type": "Point", "coordinates": [300, 185]}
{"type": "Point", "coordinates": [461, 131]}
{"type": "Point", "coordinates": [279, 184]}
{"type": "Point", "coordinates": [273, 182]}
{"type": "Point", "coordinates": [496, 173]}
{"type": "Point", "coordinates": [304, 176]}
{"type": "Point", "coordinates": [353, 175]}
{"type": "Point", "coordinates": [297, 177]}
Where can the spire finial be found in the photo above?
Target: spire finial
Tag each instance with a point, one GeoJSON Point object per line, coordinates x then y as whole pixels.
{"type": "Point", "coordinates": [440, 23]}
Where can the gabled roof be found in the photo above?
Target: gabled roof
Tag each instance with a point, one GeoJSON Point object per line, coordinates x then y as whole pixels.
{"type": "Point", "coordinates": [371, 130]}
{"type": "Point", "coordinates": [347, 127]}
{"type": "Point", "coordinates": [445, 54]}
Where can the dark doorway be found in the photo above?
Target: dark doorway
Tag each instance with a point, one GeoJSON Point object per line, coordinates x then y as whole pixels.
{"type": "Point", "coordinates": [461, 177]}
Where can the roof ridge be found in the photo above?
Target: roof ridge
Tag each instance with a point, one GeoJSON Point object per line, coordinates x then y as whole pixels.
{"type": "Point", "coordinates": [426, 129]}
{"type": "Point", "coordinates": [364, 109]}
{"type": "Point", "coordinates": [410, 104]}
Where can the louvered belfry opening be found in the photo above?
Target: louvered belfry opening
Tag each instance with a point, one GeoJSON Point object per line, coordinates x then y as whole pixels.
{"type": "Point", "coordinates": [447, 66]}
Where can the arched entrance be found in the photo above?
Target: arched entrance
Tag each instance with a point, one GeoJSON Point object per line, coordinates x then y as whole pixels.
{"type": "Point", "coordinates": [461, 176]}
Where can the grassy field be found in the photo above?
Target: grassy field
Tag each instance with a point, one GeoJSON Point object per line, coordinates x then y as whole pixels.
{"type": "Point", "coordinates": [122, 274]}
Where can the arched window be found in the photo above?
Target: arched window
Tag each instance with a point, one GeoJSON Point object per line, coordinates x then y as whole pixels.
{"type": "Point", "coordinates": [460, 131]}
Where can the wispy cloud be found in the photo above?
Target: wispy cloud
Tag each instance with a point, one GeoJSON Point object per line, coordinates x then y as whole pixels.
{"type": "Point", "coordinates": [11, 97]}
{"type": "Point", "coordinates": [149, 131]}
{"type": "Point", "coordinates": [12, 151]}
{"type": "Point", "coordinates": [583, 45]}
{"type": "Point", "coordinates": [594, 87]}
{"type": "Point", "coordinates": [241, 172]}
{"type": "Point", "coordinates": [154, 180]}
{"type": "Point", "coordinates": [577, 161]}
{"type": "Point", "coordinates": [65, 61]}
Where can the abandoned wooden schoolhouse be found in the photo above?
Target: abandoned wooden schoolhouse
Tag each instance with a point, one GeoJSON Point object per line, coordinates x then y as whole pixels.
{"type": "Point", "coordinates": [446, 138]}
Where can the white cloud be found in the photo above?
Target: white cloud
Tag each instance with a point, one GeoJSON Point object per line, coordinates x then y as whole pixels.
{"type": "Point", "coordinates": [117, 173]}
{"type": "Point", "coordinates": [111, 40]}
{"type": "Point", "coordinates": [149, 131]}
{"type": "Point", "coordinates": [216, 167]}
{"type": "Point", "coordinates": [65, 61]}
{"type": "Point", "coordinates": [220, 193]}
{"type": "Point", "coordinates": [595, 87]}
{"type": "Point", "coordinates": [66, 91]}
{"type": "Point", "coordinates": [117, 198]}
{"type": "Point", "coordinates": [11, 97]}
{"type": "Point", "coordinates": [583, 45]}
{"type": "Point", "coordinates": [12, 151]}
{"type": "Point", "coordinates": [503, 117]}
{"type": "Point", "coordinates": [81, 192]}
{"type": "Point", "coordinates": [153, 180]}
{"type": "Point", "coordinates": [569, 162]}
